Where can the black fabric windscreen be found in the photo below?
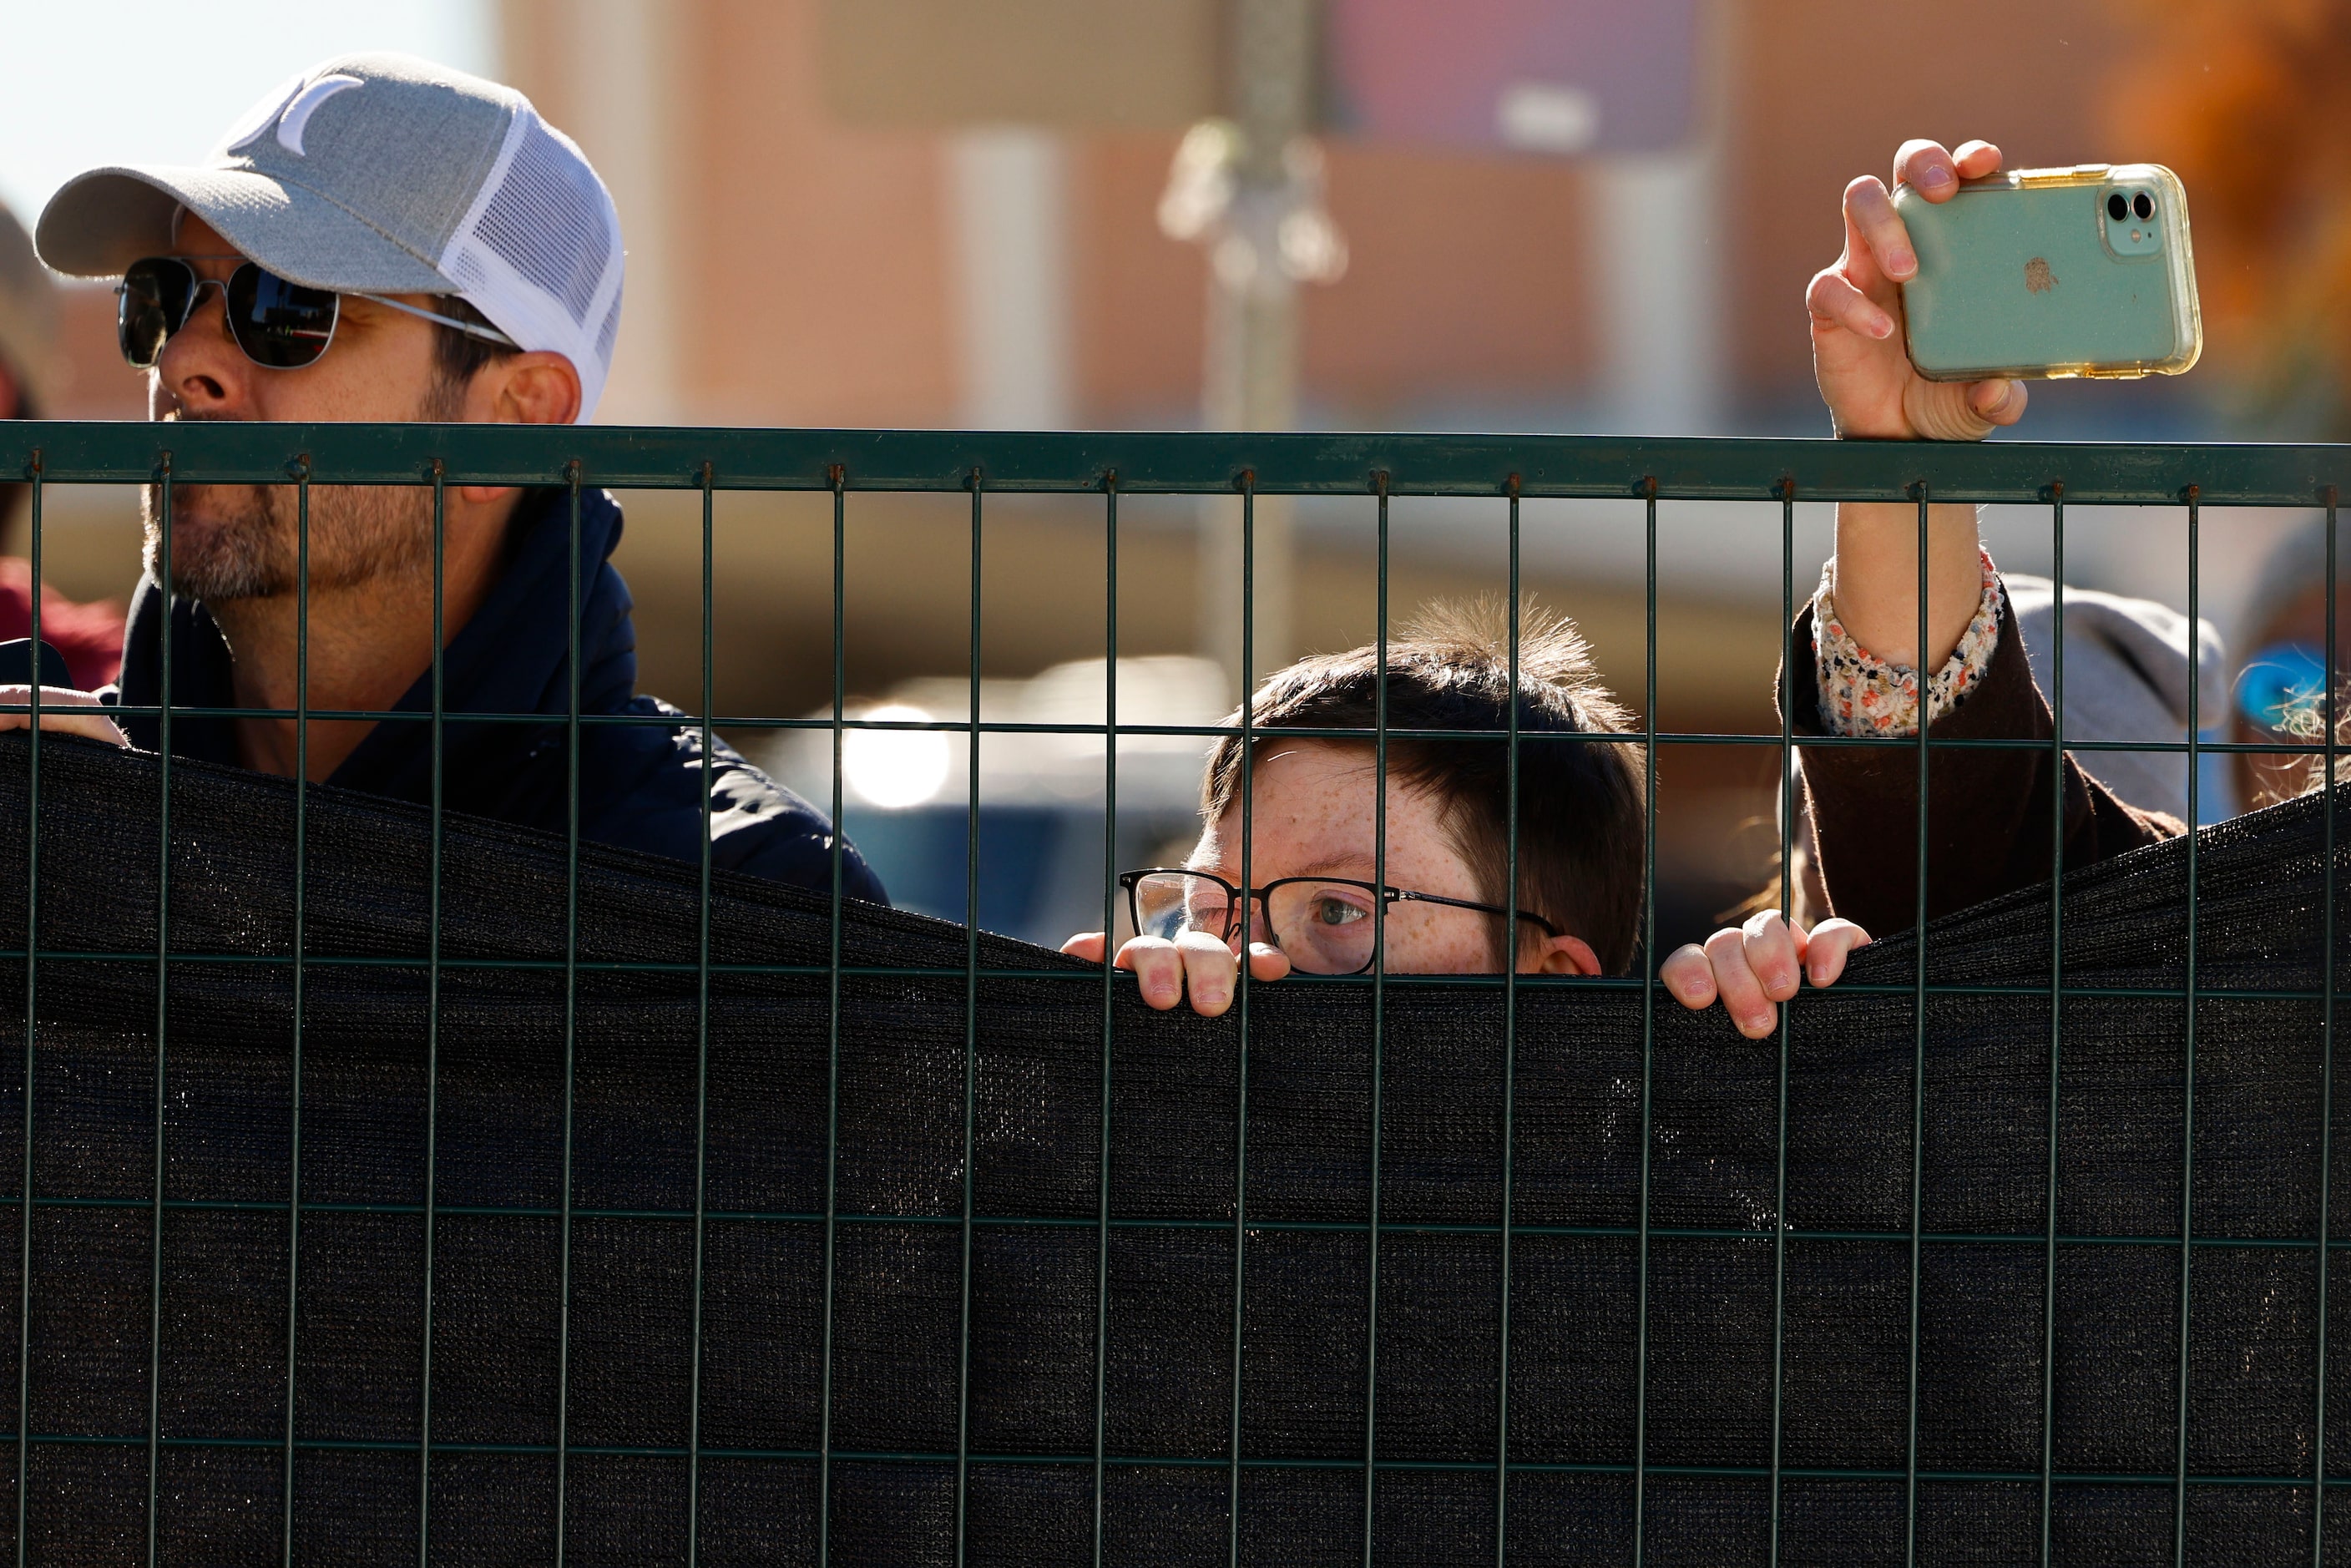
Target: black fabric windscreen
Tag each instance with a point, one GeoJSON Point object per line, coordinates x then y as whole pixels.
{"type": "Point", "coordinates": [217, 1322]}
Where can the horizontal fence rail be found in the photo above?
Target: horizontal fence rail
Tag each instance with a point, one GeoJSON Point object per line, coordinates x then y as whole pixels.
{"type": "Point", "coordinates": [1683, 468]}
{"type": "Point", "coordinates": [884, 1291]}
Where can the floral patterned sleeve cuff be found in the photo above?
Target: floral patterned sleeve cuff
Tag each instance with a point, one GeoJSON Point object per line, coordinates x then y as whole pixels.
{"type": "Point", "coordinates": [1861, 694]}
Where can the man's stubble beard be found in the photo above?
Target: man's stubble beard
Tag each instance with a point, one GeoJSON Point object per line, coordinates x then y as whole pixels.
{"type": "Point", "coordinates": [242, 542]}
{"type": "Point", "coordinates": [246, 540]}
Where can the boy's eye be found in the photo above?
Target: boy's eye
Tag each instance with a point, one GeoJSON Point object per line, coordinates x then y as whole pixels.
{"type": "Point", "coordinates": [1333, 911]}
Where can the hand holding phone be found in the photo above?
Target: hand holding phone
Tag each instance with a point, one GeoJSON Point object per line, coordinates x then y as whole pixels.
{"type": "Point", "coordinates": [2040, 273]}
{"type": "Point", "coordinates": [1855, 302]}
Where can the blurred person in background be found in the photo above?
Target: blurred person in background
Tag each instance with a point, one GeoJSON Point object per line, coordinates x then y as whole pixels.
{"type": "Point", "coordinates": [385, 239]}
{"type": "Point", "coordinates": [89, 635]}
{"type": "Point", "coordinates": [2280, 686]}
{"type": "Point", "coordinates": [2126, 682]}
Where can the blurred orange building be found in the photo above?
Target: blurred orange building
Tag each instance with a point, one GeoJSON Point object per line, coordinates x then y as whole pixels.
{"type": "Point", "coordinates": [799, 269]}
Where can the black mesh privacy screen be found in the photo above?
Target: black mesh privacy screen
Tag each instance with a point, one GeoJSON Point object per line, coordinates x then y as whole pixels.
{"type": "Point", "coordinates": [436, 1167]}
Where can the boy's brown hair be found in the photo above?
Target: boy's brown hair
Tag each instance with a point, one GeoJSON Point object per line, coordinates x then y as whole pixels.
{"type": "Point", "coordinates": [1581, 825]}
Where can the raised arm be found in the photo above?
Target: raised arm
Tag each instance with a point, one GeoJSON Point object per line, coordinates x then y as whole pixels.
{"type": "Point", "coordinates": [1857, 667]}
{"type": "Point", "coordinates": [1873, 393]}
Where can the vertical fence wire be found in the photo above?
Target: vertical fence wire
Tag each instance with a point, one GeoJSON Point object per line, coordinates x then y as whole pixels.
{"type": "Point", "coordinates": [32, 988]}
{"type": "Point", "coordinates": [970, 1042]}
{"type": "Point", "coordinates": [839, 477]}
{"type": "Point", "coordinates": [1922, 673]}
{"type": "Point", "coordinates": [1241, 991]}
{"type": "Point", "coordinates": [701, 1072]}
{"type": "Point", "coordinates": [1379, 1022]}
{"type": "Point", "coordinates": [573, 473]}
{"type": "Point", "coordinates": [301, 886]}
{"type": "Point", "coordinates": [2188, 1085]}
{"type": "Point", "coordinates": [2056, 1002]}
{"type": "Point", "coordinates": [2327, 1060]}
{"type": "Point", "coordinates": [432, 1020]}
{"type": "Point", "coordinates": [1788, 655]}
{"type": "Point", "coordinates": [1110, 989]}
{"type": "Point", "coordinates": [162, 1048]}
{"type": "Point", "coordinates": [1510, 955]}
{"type": "Point", "coordinates": [1648, 1023]}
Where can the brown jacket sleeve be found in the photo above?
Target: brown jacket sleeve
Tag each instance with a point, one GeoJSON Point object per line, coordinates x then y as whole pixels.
{"type": "Point", "coordinates": [1988, 811]}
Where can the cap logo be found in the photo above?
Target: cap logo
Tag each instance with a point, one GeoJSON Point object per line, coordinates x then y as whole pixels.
{"type": "Point", "coordinates": [259, 118]}
{"type": "Point", "coordinates": [295, 118]}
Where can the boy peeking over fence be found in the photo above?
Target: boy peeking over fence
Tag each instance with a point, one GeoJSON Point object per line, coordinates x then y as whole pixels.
{"type": "Point", "coordinates": [1576, 908]}
{"type": "Point", "coordinates": [1303, 828]}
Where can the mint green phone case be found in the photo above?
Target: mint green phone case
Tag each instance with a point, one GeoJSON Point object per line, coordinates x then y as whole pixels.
{"type": "Point", "coordinates": [2052, 272]}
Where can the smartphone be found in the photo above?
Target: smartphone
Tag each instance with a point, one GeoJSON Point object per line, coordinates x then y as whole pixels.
{"type": "Point", "coordinates": [2043, 273]}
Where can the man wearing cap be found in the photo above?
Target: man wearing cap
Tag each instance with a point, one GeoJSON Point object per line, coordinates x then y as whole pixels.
{"type": "Point", "coordinates": [385, 239]}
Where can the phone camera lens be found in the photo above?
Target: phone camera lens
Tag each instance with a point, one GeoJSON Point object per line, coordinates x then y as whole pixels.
{"type": "Point", "coordinates": [2117, 207]}
{"type": "Point", "coordinates": [2144, 205]}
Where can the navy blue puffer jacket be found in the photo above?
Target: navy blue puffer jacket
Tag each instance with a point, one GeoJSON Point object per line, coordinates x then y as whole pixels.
{"type": "Point", "coordinates": [639, 784]}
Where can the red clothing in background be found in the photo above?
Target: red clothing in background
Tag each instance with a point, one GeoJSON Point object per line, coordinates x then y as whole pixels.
{"type": "Point", "coordinates": [89, 635]}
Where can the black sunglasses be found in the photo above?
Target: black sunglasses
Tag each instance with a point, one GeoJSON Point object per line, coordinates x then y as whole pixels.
{"type": "Point", "coordinates": [279, 324]}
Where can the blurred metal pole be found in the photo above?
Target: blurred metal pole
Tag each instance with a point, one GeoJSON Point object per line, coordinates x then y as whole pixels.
{"type": "Point", "coordinates": [620, 62]}
{"type": "Point", "coordinates": [1251, 381]}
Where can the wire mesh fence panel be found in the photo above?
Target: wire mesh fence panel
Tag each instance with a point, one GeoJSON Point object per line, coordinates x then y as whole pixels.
{"type": "Point", "coordinates": [399, 1183]}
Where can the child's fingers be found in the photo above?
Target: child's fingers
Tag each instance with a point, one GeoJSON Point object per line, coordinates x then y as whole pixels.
{"type": "Point", "coordinates": [1743, 995]}
{"type": "Point", "coordinates": [1687, 976]}
{"type": "Point", "coordinates": [1158, 970]}
{"type": "Point", "coordinates": [1209, 967]}
{"type": "Point", "coordinates": [1086, 944]}
{"type": "Point", "coordinates": [1267, 962]}
{"type": "Point", "coordinates": [1772, 953]}
{"type": "Point", "coordinates": [1832, 940]}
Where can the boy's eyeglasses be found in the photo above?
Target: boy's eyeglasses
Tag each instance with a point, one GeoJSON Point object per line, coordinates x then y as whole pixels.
{"type": "Point", "coordinates": [1326, 926]}
{"type": "Point", "coordinates": [280, 326]}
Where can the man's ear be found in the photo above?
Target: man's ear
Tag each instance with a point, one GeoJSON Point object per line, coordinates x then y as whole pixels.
{"type": "Point", "coordinates": [536, 388]}
{"type": "Point", "coordinates": [1561, 955]}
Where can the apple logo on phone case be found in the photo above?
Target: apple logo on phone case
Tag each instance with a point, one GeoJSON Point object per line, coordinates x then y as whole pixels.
{"type": "Point", "coordinates": [2038, 278]}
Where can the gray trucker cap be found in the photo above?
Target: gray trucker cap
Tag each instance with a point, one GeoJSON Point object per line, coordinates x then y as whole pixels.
{"type": "Point", "coordinates": [384, 174]}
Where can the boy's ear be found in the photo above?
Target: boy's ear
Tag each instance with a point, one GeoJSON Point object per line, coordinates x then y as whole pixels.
{"type": "Point", "coordinates": [1562, 955]}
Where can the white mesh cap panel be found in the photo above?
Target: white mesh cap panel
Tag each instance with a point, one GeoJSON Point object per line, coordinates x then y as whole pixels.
{"type": "Point", "coordinates": [540, 253]}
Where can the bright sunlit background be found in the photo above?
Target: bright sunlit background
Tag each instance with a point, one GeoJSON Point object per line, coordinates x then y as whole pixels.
{"type": "Point", "coordinates": [176, 74]}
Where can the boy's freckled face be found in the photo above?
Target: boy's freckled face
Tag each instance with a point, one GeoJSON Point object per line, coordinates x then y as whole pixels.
{"type": "Point", "coordinates": [1312, 814]}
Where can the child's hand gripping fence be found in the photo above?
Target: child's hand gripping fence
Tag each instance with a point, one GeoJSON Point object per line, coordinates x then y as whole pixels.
{"type": "Point", "coordinates": [418, 1190]}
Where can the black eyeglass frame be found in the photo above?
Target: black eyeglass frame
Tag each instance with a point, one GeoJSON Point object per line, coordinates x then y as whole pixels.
{"type": "Point", "coordinates": [195, 293]}
{"type": "Point", "coordinates": [1235, 899]}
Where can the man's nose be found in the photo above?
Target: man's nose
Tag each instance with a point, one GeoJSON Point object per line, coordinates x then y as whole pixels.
{"type": "Point", "coordinates": [201, 370]}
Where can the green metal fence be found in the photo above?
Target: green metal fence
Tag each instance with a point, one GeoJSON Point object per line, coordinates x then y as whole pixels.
{"type": "Point", "coordinates": [1772, 474]}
